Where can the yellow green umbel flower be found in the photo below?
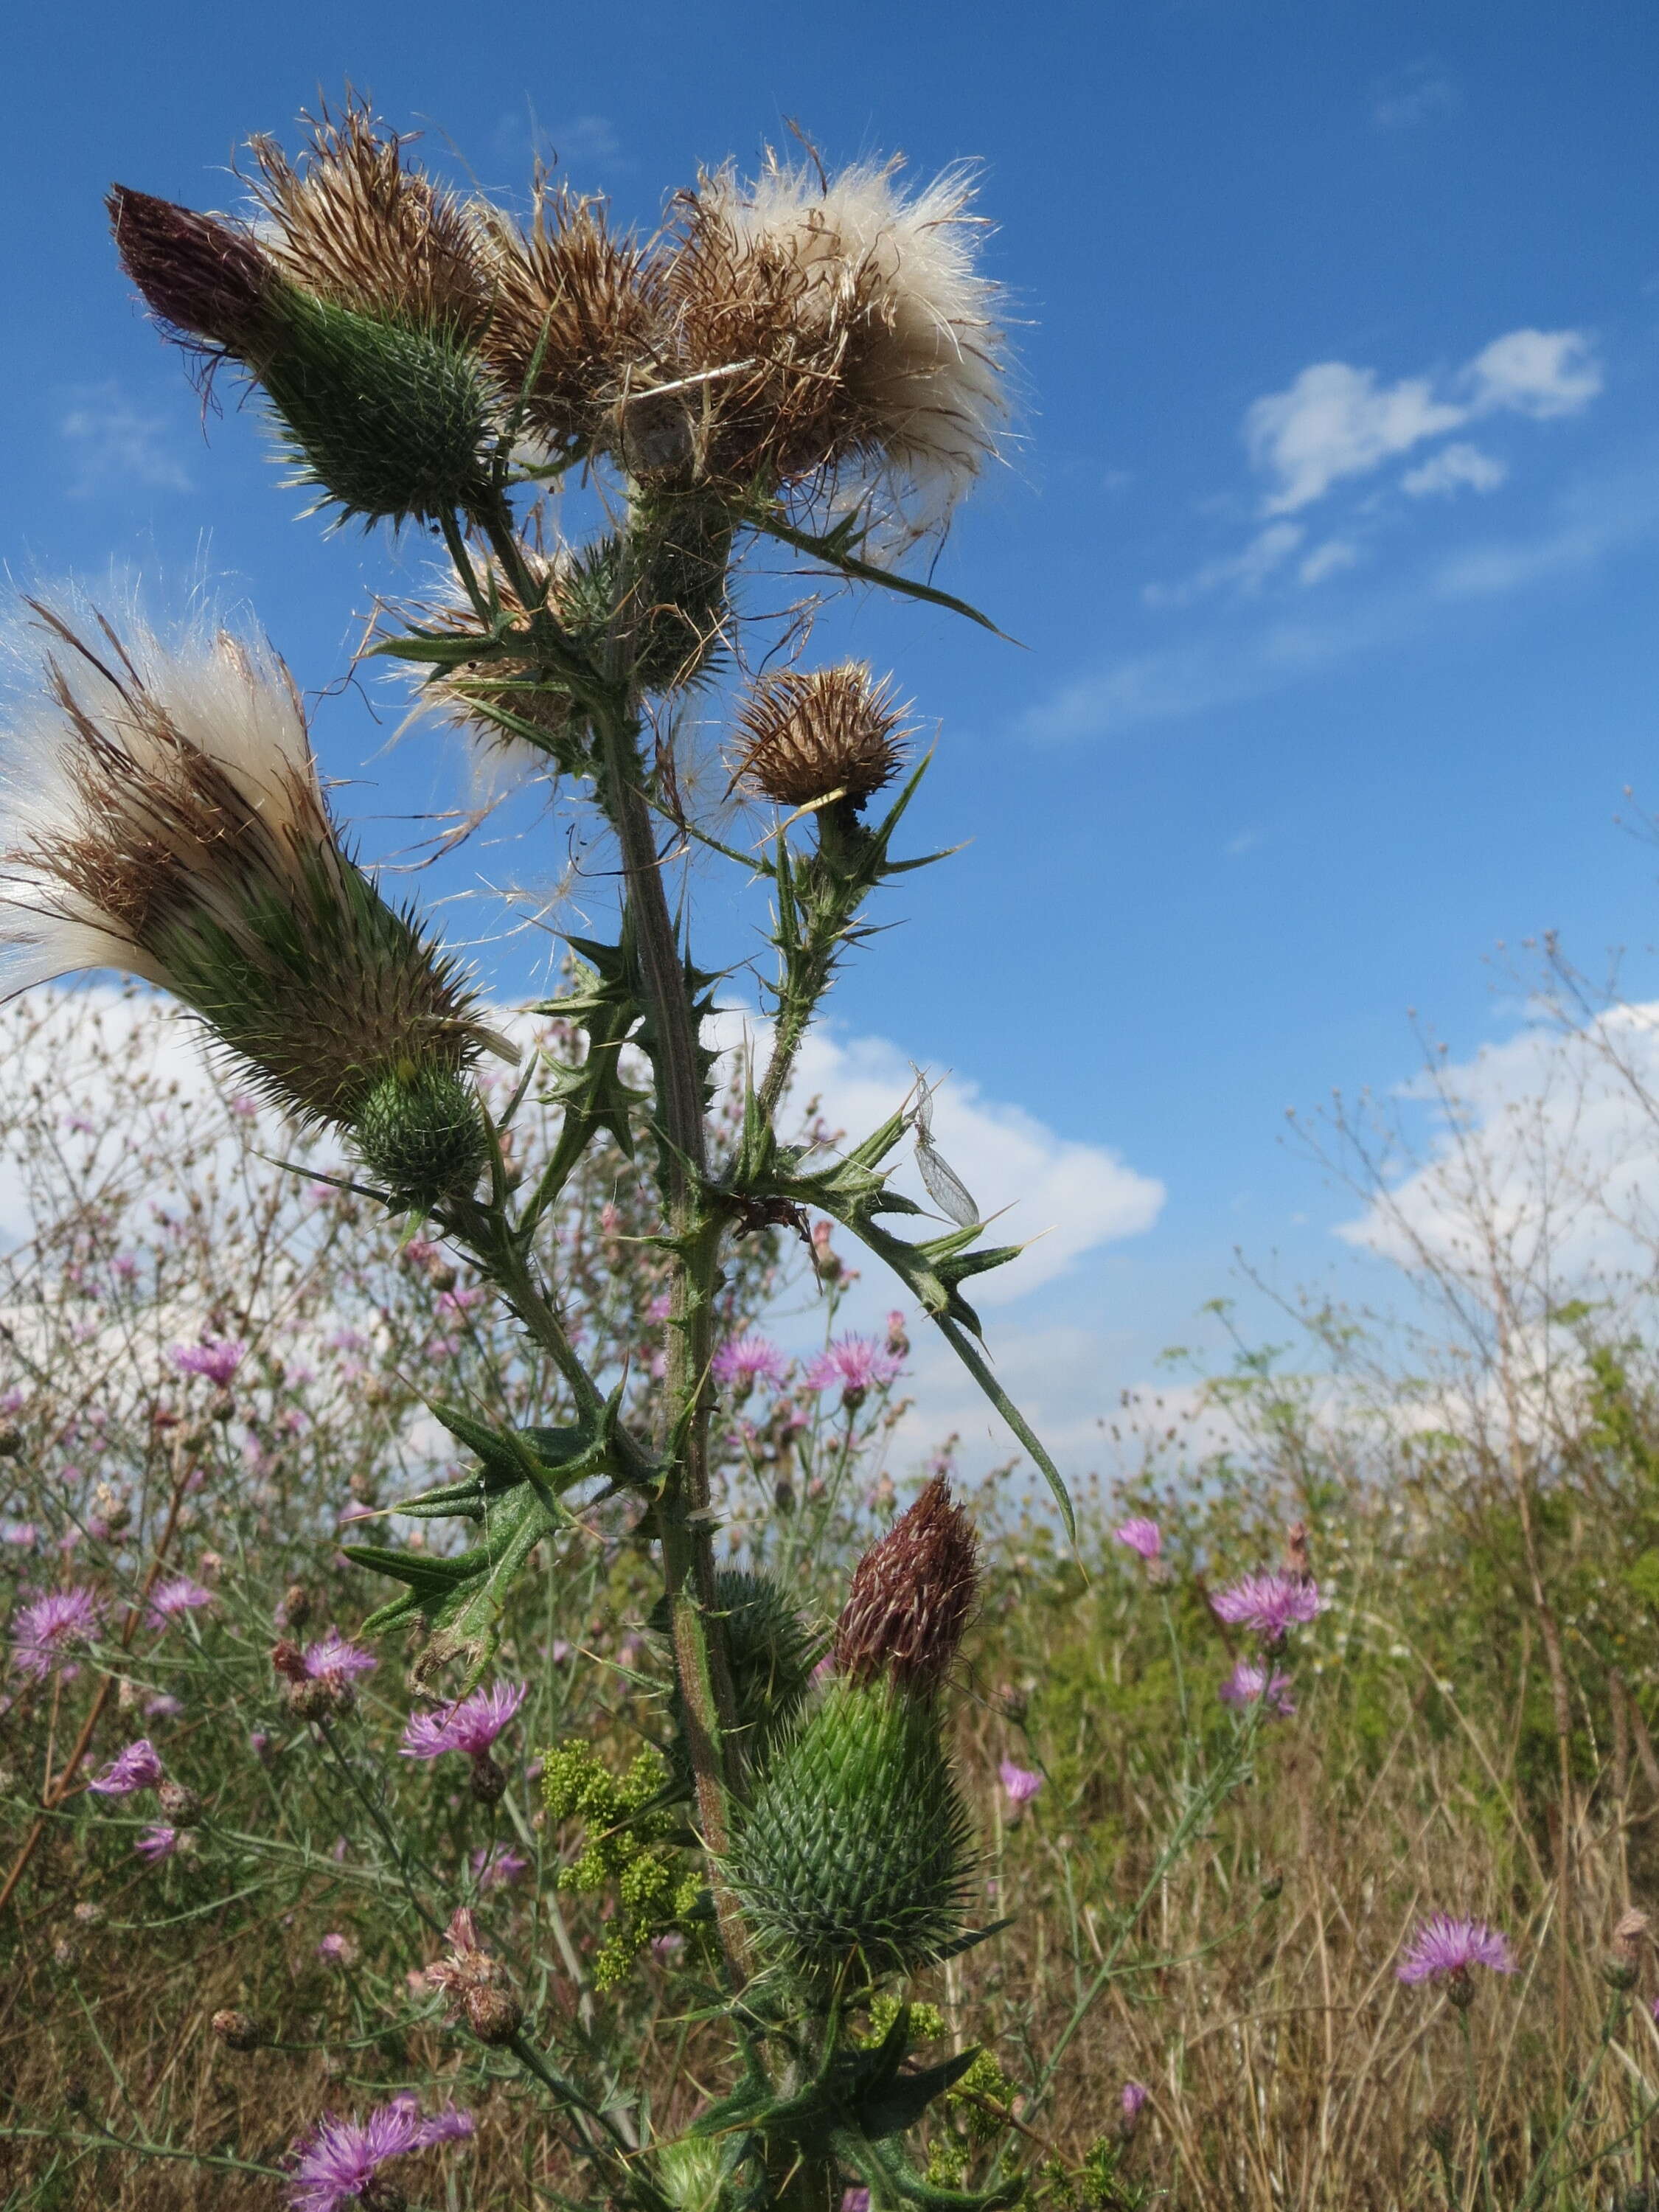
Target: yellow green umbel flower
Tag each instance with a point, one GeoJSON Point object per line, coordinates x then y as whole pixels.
{"type": "Point", "coordinates": [161, 813]}
{"type": "Point", "coordinates": [855, 1853]}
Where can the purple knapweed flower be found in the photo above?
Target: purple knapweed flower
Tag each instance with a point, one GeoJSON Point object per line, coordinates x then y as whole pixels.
{"type": "Point", "coordinates": [1443, 1948]}
{"type": "Point", "coordinates": [336, 2162]}
{"type": "Point", "coordinates": [855, 2200]}
{"type": "Point", "coordinates": [1247, 1682]}
{"type": "Point", "coordinates": [1020, 1783]}
{"type": "Point", "coordinates": [471, 1726]}
{"type": "Point", "coordinates": [137, 1767]}
{"type": "Point", "coordinates": [1141, 1535]}
{"type": "Point", "coordinates": [339, 1950]}
{"type": "Point", "coordinates": [45, 1631]}
{"type": "Point", "coordinates": [660, 1307]}
{"type": "Point", "coordinates": [159, 1843]}
{"type": "Point", "coordinates": [215, 1357]}
{"type": "Point", "coordinates": [857, 1364]}
{"type": "Point", "coordinates": [162, 1707]}
{"type": "Point", "coordinates": [177, 1595]}
{"type": "Point", "coordinates": [1132, 2096]}
{"type": "Point", "coordinates": [1268, 1604]}
{"type": "Point", "coordinates": [23, 1534]}
{"type": "Point", "coordinates": [745, 1360]}
{"type": "Point", "coordinates": [335, 1658]}
{"type": "Point", "coordinates": [495, 1869]}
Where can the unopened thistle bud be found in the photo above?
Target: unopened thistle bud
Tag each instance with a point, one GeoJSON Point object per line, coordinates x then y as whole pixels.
{"type": "Point", "coordinates": [808, 735]}
{"type": "Point", "coordinates": [857, 1844]}
{"type": "Point", "coordinates": [495, 2015]}
{"type": "Point", "coordinates": [911, 1596]}
{"type": "Point", "coordinates": [238, 2031]}
{"type": "Point", "coordinates": [384, 412]}
{"type": "Point", "coordinates": [160, 812]}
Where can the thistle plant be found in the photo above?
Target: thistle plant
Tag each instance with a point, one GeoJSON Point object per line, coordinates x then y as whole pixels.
{"type": "Point", "coordinates": [803, 359]}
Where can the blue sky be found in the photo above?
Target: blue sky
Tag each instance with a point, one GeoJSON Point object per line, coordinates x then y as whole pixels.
{"type": "Point", "coordinates": [1330, 534]}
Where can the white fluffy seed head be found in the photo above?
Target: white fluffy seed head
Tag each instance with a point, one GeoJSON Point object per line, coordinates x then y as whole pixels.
{"type": "Point", "coordinates": [104, 739]}
{"type": "Point", "coordinates": [890, 279]}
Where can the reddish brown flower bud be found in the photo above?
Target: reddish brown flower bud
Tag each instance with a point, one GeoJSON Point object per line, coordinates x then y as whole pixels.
{"type": "Point", "coordinates": [290, 1661]}
{"type": "Point", "coordinates": [207, 280]}
{"type": "Point", "coordinates": [494, 2014]}
{"type": "Point", "coordinates": [911, 1596]}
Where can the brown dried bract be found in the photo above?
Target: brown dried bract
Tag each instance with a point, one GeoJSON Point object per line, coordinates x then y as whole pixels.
{"type": "Point", "coordinates": [578, 313]}
{"type": "Point", "coordinates": [807, 736]}
{"type": "Point", "coordinates": [911, 1597]}
{"type": "Point", "coordinates": [353, 223]}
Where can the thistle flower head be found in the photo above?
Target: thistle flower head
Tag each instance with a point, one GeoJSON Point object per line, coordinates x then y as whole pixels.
{"type": "Point", "coordinates": [1132, 2099]}
{"type": "Point", "coordinates": [178, 1595]}
{"type": "Point", "coordinates": [577, 312]}
{"type": "Point", "coordinates": [1250, 1682]}
{"type": "Point", "coordinates": [1019, 1783]}
{"type": "Point", "coordinates": [46, 1631]}
{"type": "Point", "coordinates": [353, 221]}
{"type": "Point", "coordinates": [161, 1841]}
{"type": "Point", "coordinates": [471, 1726]}
{"type": "Point", "coordinates": [1141, 1535]}
{"type": "Point", "coordinates": [743, 1361]}
{"type": "Point", "coordinates": [1443, 1948]}
{"type": "Point", "coordinates": [1268, 1604]}
{"type": "Point", "coordinates": [496, 1867]}
{"type": "Point", "coordinates": [805, 736]}
{"type": "Point", "coordinates": [336, 1658]}
{"type": "Point", "coordinates": [911, 1596]}
{"type": "Point", "coordinates": [857, 1364]}
{"type": "Point", "coordinates": [215, 1357]}
{"type": "Point", "coordinates": [137, 1767]}
{"type": "Point", "coordinates": [159, 812]}
{"type": "Point", "coordinates": [849, 321]}
{"type": "Point", "coordinates": [336, 2163]}
{"type": "Point", "coordinates": [204, 279]}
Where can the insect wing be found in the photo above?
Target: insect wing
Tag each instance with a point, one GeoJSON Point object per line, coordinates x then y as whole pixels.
{"type": "Point", "coordinates": [944, 1186]}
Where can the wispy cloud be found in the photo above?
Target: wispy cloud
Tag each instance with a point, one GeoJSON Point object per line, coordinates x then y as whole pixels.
{"type": "Point", "coordinates": [116, 447]}
{"type": "Point", "coordinates": [1260, 649]}
{"type": "Point", "coordinates": [1421, 92]}
{"type": "Point", "coordinates": [1334, 422]}
{"type": "Point", "coordinates": [1246, 570]}
{"type": "Point", "coordinates": [1455, 468]}
{"type": "Point", "coordinates": [574, 144]}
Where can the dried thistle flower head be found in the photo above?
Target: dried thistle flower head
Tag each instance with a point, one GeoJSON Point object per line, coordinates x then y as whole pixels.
{"type": "Point", "coordinates": [850, 320]}
{"type": "Point", "coordinates": [159, 813]}
{"type": "Point", "coordinates": [577, 312]}
{"type": "Point", "coordinates": [911, 1596]}
{"type": "Point", "coordinates": [352, 222]}
{"type": "Point", "coordinates": [808, 735]}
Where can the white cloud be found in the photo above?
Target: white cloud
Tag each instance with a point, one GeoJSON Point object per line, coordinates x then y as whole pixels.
{"type": "Point", "coordinates": [1542, 374]}
{"type": "Point", "coordinates": [1334, 422]}
{"type": "Point", "coordinates": [1247, 570]}
{"type": "Point", "coordinates": [1455, 468]}
{"type": "Point", "coordinates": [1329, 560]}
{"type": "Point", "coordinates": [1412, 96]}
{"type": "Point", "coordinates": [116, 447]}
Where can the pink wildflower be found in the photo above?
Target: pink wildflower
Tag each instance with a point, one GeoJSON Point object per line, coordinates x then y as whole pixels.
{"type": "Point", "coordinates": [1445, 1949]}
{"type": "Point", "coordinates": [339, 1950]}
{"type": "Point", "coordinates": [178, 1595]}
{"type": "Point", "coordinates": [1268, 1604]}
{"type": "Point", "coordinates": [495, 1869]}
{"type": "Point", "coordinates": [1020, 1783]}
{"type": "Point", "coordinates": [1134, 2095]}
{"type": "Point", "coordinates": [667, 1946]}
{"type": "Point", "coordinates": [471, 1726]}
{"type": "Point", "coordinates": [858, 1363]}
{"type": "Point", "coordinates": [1141, 1535]}
{"type": "Point", "coordinates": [336, 2163]}
{"type": "Point", "coordinates": [1249, 1681]}
{"type": "Point", "coordinates": [457, 1304]}
{"type": "Point", "coordinates": [335, 1658]}
{"type": "Point", "coordinates": [745, 1360]}
{"type": "Point", "coordinates": [137, 1767]}
{"type": "Point", "coordinates": [159, 1843]}
{"type": "Point", "coordinates": [215, 1357]}
{"type": "Point", "coordinates": [45, 1631]}
{"type": "Point", "coordinates": [162, 1707]}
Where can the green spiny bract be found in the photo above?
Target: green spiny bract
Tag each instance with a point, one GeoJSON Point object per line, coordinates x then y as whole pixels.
{"type": "Point", "coordinates": [628, 1840]}
{"type": "Point", "coordinates": [386, 419]}
{"type": "Point", "coordinates": [423, 1136]}
{"type": "Point", "coordinates": [857, 1846]}
{"type": "Point", "coordinates": [315, 983]}
{"type": "Point", "coordinates": [771, 1653]}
